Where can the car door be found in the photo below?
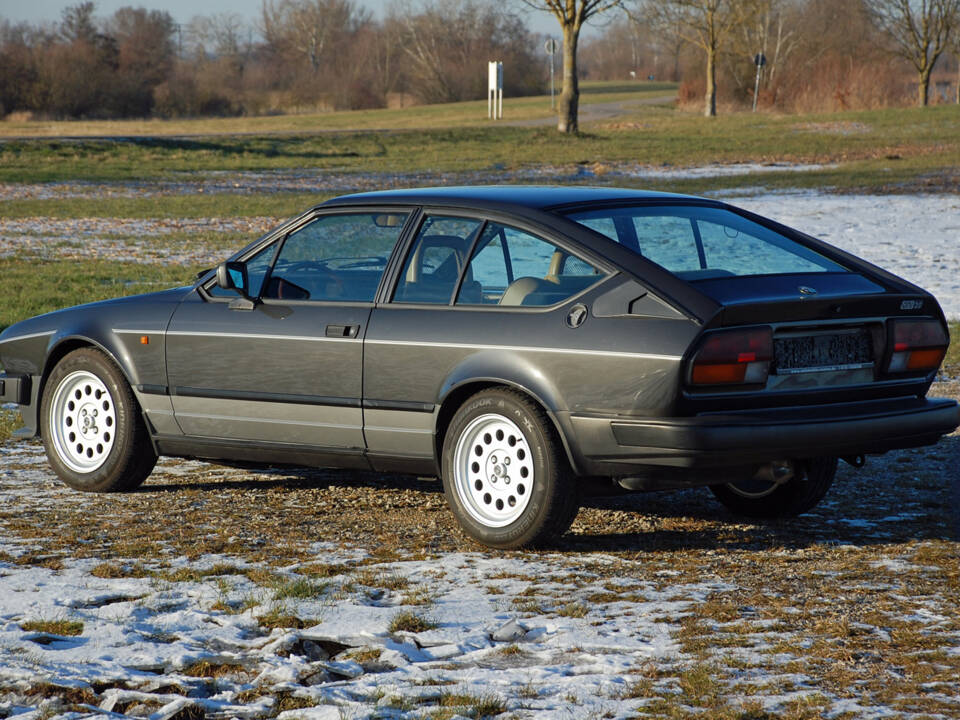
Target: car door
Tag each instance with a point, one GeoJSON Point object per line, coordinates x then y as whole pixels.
{"type": "Point", "coordinates": [471, 296]}
{"type": "Point", "coordinates": [287, 367]}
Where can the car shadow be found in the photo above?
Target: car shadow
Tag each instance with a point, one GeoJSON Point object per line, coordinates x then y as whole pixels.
{"type": "Point", "coordinates": [293, 478]}
{"type": "Point", "coordinates": [900, 497]}
{"type": "Point", "coordinates": [904, 496]}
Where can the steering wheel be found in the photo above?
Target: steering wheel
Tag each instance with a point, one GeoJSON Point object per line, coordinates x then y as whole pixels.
{"type": "Point", "coordinates": [318, 266]}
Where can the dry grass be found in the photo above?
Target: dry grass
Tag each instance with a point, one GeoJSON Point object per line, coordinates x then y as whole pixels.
{"type": "Point", "coordinates": [283, 618]}
{"type": "Point", "coordinates": [67, 628]}
{"type": "Point", "coordinates": [573, 610]}
{"type": "Point", "coordinates": [208, 669]}
{"type": "Point", "coordinates": [408, 621]}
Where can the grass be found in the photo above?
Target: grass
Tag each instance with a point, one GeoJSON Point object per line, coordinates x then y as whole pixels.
{"type": "Point", "coordinates": [407, 621]}
{"type": "Point", "coordinates": [10, 420]}
{"type": "Point", "coordinates": [69, 628]}
{"type": "Point", "coordinates": [573, 610]}
{"type": "Point", "coordinates": [893, 142]}
{"type": "Point", "coordinates": [207, 669]}
{"type": "Point", "coordinates": [280, 617]}
{"type": "Point", "coordinates": [300, 589]}
{"type": "Point", "coordinates": [459, 114]}
{"type": "Point", "coordinates": [951, 363]}
{"type": "Point", "coordinates": [32, 288]}
{"type": "Point", "coordinates": [476, 706]}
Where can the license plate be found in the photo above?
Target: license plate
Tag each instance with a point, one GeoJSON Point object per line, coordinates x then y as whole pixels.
{"type": "Point", "coordinates": [823, 351]}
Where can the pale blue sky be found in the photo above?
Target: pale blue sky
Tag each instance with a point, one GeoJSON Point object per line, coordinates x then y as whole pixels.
{"type": "Point", "coordinates": [183, 10]}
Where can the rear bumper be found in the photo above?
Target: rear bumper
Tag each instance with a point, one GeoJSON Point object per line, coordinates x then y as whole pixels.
{"type": "Point", "coordinates": [616, 446]}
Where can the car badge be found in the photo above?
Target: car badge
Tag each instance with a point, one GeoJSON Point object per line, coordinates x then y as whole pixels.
{"type": "Point", "coordinates": [804, 290]}
{"type": "Point", "coordinates": [578, 313]}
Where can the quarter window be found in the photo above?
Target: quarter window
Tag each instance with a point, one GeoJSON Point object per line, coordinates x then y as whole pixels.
{"type": "Point", "coordinates": [512, 267]}
{"type": "Point", "coordinates": [433, 265]}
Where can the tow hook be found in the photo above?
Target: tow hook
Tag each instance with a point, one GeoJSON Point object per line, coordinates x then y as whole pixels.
{"type": "Point", "coordinates": [857, 461]}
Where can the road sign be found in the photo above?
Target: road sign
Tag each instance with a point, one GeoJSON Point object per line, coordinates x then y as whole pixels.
{"type": "Point", "coordinates": [759, 59]}
{"type": "Point", "coordinates": [495, 89]}
{"type": "Point", "coordinates": [551, 47]}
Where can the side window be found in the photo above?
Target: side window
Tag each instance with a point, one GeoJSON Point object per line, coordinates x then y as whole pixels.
{"type": "Point", "coordinates": [436, 258]}
{"type": "Point", "coordinates": [668, 241]}
{"type": "Point", "coordinates": [257, 267]}
{"type": "Point", "coordinates": [335, 258]}
{"type": "Point", "coordinates": [512, 267]}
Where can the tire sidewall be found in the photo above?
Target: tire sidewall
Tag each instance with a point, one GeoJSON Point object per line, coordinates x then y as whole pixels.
{"type": "Point", "coordinates": [530, 523]}
{"type": "Point", "coordinates": [106, 476]}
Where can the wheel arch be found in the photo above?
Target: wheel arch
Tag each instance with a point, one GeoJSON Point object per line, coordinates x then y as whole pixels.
{"type": "Point", "coordinates": [63, 346]}
{"type": "Point", "coordinates": [456, 395]}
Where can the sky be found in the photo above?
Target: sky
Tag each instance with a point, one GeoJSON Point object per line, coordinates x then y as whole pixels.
{"type": "Point", "coordinates": [183, 10]}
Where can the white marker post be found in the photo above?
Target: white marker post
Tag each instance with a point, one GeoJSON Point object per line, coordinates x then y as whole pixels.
{"type": "Point", "coordinates": [495, 89]}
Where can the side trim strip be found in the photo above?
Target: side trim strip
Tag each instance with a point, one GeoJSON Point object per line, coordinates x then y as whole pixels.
{"type": "Point", "coordinates": [523, 348]}
{"type": "Point", "coordinates": [260, 336]}
{"type": "Point", "coordinates": [266, 397]}
{"type": "Point", "coordinates": [27, 337]}
{"type": "Point", "coordinates": [153, 389]}
{"type": "Point", "coordinates": [407, 405]}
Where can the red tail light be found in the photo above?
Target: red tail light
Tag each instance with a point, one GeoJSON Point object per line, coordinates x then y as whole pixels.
{"type": "Point", "coordinates": [733, 357]}
{"type": "Point", "coordinates": [918, 345]}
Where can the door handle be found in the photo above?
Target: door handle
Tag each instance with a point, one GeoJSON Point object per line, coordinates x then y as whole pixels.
{"type": "Point", "coordinates": [342, 331]}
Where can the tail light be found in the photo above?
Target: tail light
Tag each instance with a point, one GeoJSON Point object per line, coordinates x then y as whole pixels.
{"type": "Point", "coordinates": [733, 357]}
{"type": "Point", "coordinates": [918, 345]}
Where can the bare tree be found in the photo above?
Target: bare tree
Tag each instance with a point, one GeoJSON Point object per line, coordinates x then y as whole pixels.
{"type": "Point", "coordinates": [309, 28]}
{"type": "Point", "coordinates": [920, 31]}
{"type": "Point", "coordinates": [445, 41]}
{"type": "Point", "coordinates": [571, 14]}
{"type": "Point", "coordinates": [705, 24]}
{"type": "Point", "coordinates": [767, 29]}
{"type": "Point", "coordinates": [955, 49]}
{"type": "Point", "coordinates": [222, 34]}
{"type": "Point", "coordinates": [77, 23]}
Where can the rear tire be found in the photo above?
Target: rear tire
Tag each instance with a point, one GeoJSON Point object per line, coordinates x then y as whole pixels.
{"type": "Point", "coordinates": [93, 433]}
{"type": "Point", "coordinates": [797, 495]}
{"type": "Point", "coordinates": [505, 474]}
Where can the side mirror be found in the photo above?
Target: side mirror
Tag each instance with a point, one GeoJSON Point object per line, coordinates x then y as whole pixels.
{"type": "Point", "coordinates": [233, 276]}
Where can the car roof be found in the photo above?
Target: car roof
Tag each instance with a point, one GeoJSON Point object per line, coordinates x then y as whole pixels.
{"type": "Point", "coordinates": [534, 197]}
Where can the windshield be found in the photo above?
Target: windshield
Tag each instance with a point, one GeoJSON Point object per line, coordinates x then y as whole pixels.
{"type": "Point", "coordinates": [699, 243]}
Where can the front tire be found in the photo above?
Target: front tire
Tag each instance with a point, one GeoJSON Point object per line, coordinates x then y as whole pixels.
{"type": "Point", "coordinates": [505, 473]}
{"type": "Point", "coordinates": [93, 433]}
{"type": "Point", "coordinates": [802, 491]}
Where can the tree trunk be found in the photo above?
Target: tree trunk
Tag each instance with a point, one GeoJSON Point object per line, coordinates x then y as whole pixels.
{"type": "Point", "coordinates": [923, 88]}
{"type": "Point", "coordinates": [567, 119]}
{"type": "Point", "coordinates": [710, 99]}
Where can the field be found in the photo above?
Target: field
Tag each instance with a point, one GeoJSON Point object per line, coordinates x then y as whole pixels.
{"type": "Point", "coordinates": [316, 594]}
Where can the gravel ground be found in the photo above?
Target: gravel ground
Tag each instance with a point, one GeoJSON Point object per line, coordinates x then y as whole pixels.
{"type": "Point", "coordinates": [186, 593]}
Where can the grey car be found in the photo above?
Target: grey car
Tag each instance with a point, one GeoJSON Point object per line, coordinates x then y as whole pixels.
{"type": "Point", "coordinates": [513, 341]}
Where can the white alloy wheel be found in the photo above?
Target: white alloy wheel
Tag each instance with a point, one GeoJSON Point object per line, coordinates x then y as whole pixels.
{"type": "Point", "coordinates": [83, 421]}
{"type": "Point", "coordinates": [493, 471]}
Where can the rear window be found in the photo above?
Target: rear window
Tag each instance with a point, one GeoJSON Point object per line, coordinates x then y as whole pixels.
{"type": "Point", "coordinates": [699, 243]}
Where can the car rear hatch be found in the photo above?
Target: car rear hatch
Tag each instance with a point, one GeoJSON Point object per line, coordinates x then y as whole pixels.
{"type": "Point", "coordinates": [835, 337]}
